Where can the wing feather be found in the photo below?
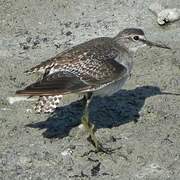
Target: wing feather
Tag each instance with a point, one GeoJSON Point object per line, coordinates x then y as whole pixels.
{"type": "Point", "coordinates": [57, 83]}
{"type": "Point", "coordinates": [85, 67]}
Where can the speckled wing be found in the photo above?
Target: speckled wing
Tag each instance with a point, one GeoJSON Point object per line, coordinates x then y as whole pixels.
{"type": "Point", "coordinates": [85, 67]}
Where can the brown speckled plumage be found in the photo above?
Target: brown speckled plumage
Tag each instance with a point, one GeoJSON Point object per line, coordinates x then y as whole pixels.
{"type": "Point", "coordinates": [91, 59]}
{"type": "Point", "coordinates": [99, 65]}
{"type": "Point", "coordinates": [83, 68]}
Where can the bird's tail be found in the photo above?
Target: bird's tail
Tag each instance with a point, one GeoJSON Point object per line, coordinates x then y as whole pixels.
{"type": "Point", "coordinates": [47, 104]}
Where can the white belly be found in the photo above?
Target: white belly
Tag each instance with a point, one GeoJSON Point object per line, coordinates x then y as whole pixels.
{"type": "Point", "coordinates": [111, 88]}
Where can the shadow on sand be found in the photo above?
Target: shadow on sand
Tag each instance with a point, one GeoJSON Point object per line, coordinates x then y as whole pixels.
{"type": "Point", "coordinates": [106, 112]}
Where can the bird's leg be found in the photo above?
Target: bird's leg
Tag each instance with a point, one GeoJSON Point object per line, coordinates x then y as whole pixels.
{"type": "Point", "coordinates": [85, 119]}
{"type": "Point", "coordinates": [91, 127]}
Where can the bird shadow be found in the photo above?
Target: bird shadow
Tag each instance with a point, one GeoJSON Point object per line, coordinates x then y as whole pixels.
{"type": "Point", "coordinates": [105, 112]}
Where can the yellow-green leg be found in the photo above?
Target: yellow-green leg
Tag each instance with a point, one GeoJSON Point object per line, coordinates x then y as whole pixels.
{"type": "Point", "coordinates": [90, 128]}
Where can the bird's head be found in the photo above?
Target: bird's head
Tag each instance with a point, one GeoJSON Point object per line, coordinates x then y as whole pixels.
{"type": "Point", "coordinates": [133, 38]}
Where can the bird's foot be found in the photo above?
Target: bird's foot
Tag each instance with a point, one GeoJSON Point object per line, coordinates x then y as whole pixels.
{"type": "Point", "coordinates": [91, 129]}
{"type": "Point", "coordinates": [99, 147]}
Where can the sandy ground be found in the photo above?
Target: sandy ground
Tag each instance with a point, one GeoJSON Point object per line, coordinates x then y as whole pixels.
{"type": "Point", "coordinates": [140, 122]}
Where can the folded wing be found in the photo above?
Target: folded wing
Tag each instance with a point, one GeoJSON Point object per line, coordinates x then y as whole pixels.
{"type": "Point", "coordinates": [85, 67]}
{"type": "Point", "coordinates": [57, 83]}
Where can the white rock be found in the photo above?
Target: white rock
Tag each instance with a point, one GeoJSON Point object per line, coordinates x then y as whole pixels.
{"type": "Point", "coordinates": [66, 152]}
{"type": "Point", "coordinates": [81, 126]}
{"type": "Point", "coordinates": [168, 15]}
{"type": "Point", "coordinates": [29, 110]}
{"type": "Point", "coordinates": [164, 15]}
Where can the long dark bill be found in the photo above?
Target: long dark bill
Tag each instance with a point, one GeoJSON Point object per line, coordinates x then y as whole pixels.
{"type": "Point", "coordinates": [149, 43]}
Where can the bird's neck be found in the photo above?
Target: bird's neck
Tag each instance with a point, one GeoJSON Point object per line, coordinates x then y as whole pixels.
{"type": "Point", "coordinates": [125, 44]}
{"type": "Point", "coordinates": [125, 57]}
{"type": "Point", "coordinates": [127, 61]}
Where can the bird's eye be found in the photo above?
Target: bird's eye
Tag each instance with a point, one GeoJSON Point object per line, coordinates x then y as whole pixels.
{"type": "Point", "coordinates": [136, 38]}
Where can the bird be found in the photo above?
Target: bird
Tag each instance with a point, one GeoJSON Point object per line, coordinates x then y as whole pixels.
{"type": "Point", "coordinates": [98, 67]}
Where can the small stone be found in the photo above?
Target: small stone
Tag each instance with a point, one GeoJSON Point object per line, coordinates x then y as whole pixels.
{"type": "Point", "coordinates": [68, 24]}
{"type": "Point", "coordinates": [24, 45]}
{"type": "Point", "coordinates": [45, 39]}
{"type": "Point", "coordinates": [81, 126]}
{"type": "Point", "coordinates": [36, 42]}
{"type": "Point", "coordinates": [66, 152]}
{"type": "Point", "coordinates": [29, 110]}
{"type": "Point", "coordinates": [68, 33]}
{"type": "Point", "coordinates": [28, 39]}
{"type": "Point", "coordinates": [77, 25]}
{"type": "Point", "coordinates": [57, 44]}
